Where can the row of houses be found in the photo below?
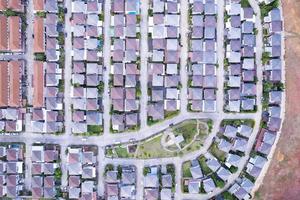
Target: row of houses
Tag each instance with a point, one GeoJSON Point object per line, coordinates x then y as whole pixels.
{"type": "Point", "coordinates": [272, 105]}
{"type": "Point", "coordinates": [159, 182]}
{"type": "Point", "coordinates": [202, 56]}
{"type": "Point", "coordinates": [82, 172]}
{"type": "Point", "coordinates": [14, 5]}
{"type": "Point", "coordinates": [45, 170]}
{"type": "Point", "coordinates": [125, 47]}
{"type": "Point", "coordinates": [240, 40]}
{"type": "Point", "coordinates": [87, 83]}
{"type": "Point", "coordinates": [12, 170]}
{"type": "Point", "coordinates": [47, 80]}
{"type": "Point", "coordinates": [164, 64]}
{"type": "Point", "coordinates": [11, 97]}
{"type": "Point", "coordinates": [11, 39]}
{"type": "Point", "coordinates": [120, 182]}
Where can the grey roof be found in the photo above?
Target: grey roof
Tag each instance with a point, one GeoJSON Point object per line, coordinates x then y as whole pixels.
{"type": "Point", "coordinates": [248, 89]}
{"type": "Point", "coordinates": [274, 124]}
{"type": "Point", "coordinates": [240, 145]}
{"type": "Point", "coordinates": [247, 27]}
{"type": "Point", "coordinates": [196, 172]}
{"type": "Point", "coordinates": [208, 185]}
{"type": "Point", "coordinates": [224, 145]}
{"type": "Point", "coordinates": [194, 186]}
{"type": "Point", "coordinates": [210, 8]}
{"type": "Point", "coordinates": [235, 21]}
{"type": "Point", "coordinates": [249, 40]}
{"type": "Point", "coordinates": [235, 9]}
{"type": "Point", "coordinates": [275, 14]}
{"type": "Point", "coordinates": [197, 20]}
{"type": "Point", "coordinates": [223, 173]}
{"type": "Point", "coordinates": [274, 111]}
{"type": "Point", "coordinates": [166, 181]}
{"type": "Point", "coordinates": [248, 104]}
{"type": "Point", "coordinates": [234, 94]}
{"type": "Point", "coordinates": [151, 180]}
{"type": "Point", "coordinates": [111, 177]}
{"type": "Point", "coordinates": [245, 130]}
{"type": "Point", "coordinates": [233, 159]}
{"type": "Point", "coordinates": [166, 194]}
{"type": "Point", "coordinates": [156, 111]}
{"type": "Point", "coordinates": [213, 164]}
{"type": "Point", "coordinates": [230, 131]}
{"type": "Point", "coordinates": [247, 185]}
{"type": "Point", "coordinates": [209, 106]}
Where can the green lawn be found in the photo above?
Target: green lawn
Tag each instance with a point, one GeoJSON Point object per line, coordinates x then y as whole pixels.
{"type": "Point", "coordinates": [205, 169]}
{"type": "Point", "coordinates": [215, 151]}
{"type": "Point", "coordinates": [238, 122]}
{"type": "Point", "coordinates": [153, 149]}
{"type": "Point", "coordinates": [186, 173]}
{"type": "Point", "coordinates": [122, 152]}
{"type": "Point", "coordinates": [188, 130]}
{"type": "Point", "coordinates": [95, 129]}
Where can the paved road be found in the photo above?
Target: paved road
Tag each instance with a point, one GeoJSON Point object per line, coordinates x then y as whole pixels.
{"type": "Point", "coordinates": [68, 70]}
{"type": "Point", "coordinates": [106, 59]}
{"type": "Point", "coordinates": [184, 29]}
{"type": "Point", "coordinates": [144, 63]}
{"type": "Point", "coordinates": [220, 56]}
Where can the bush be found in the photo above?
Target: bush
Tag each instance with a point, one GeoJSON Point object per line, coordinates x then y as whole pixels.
{"type": "Point", "coordinates": [146, 170]}
{"type": "Point", "coordinates": [94, 129]}
{"type": "Point", "coordinates": [100, 87]}
{"type": "Point", "coordinates": [245, 4]}
{"type": "Point", "coordinates": [41, 14]}
{"type": "Point", "coordinates": [40, 56]}
{"type": "Point", "coordinates": [266, 8]}
{"type": "Point", "coordinates": [58, 173]}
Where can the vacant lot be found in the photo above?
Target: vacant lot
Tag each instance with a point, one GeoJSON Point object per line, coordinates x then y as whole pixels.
{"type": "Point", "coordinates": [282, 181]}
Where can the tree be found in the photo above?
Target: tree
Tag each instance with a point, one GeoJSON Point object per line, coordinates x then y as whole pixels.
{"type": "Point", "coordinates": [58, 173]}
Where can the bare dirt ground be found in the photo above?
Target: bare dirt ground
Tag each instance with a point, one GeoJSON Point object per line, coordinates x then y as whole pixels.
{"type": "Point", "coordinates": [282, 181]}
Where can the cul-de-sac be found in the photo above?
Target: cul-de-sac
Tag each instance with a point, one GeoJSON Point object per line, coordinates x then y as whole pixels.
{"type": "Point", "coordinates": [140, 99]}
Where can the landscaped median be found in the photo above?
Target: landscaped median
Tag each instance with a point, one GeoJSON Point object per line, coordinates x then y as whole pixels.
{"type": "Point", "coordinates": [180, 139]}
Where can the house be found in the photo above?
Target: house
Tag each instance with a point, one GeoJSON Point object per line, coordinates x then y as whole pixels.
{"type": "Point", "coordinates": [208, 185]}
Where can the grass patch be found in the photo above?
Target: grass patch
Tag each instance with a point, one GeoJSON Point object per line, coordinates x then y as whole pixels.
{"type": "Point", "coordinates": [238, 122]}
{"type": "Point", "coordinates": [61, 85]}
{"type": "Point", "coordinates": [266, 8]}
{"type": "Point", "coordinates": [41, 14]}
{"type": "Point", "coordinates": [40, 56]}
{"type": "Point", "coordinates": [245, 3]}
{"type": "Point", "coordinates": [227, 196]}
{"type": "Point", "coordinates": [265, 58]}
{"type": "Point", "coordinates": [205, 169]}
{"type": "Point", "coordinates": [153, 149]}
{"type": "Point", "coordinates": [186, 173]}
{"type": "Point", "coordinates": [122, 152]}
{"type": "Point", "coordinates": [188, 130]}
{"type": "Point", "coordinates": [219, 183]}
{"type": "Point", "coordinates": [215, 151]}
{"type": "Point", "coordinates": [95, 129]}
{"type": "Point", "coordinates": [171, 114]}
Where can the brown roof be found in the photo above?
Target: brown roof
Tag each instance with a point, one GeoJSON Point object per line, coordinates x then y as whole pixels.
{"type": "Point", "coordinates": [38, 44]}
{"type": "Point", "coordinates": [14, 33]}
{"type": "Point", "coordinates": [38, 84]}
{"type": "Point", "coordinates": [3, 4]}
{"type": "Point", "coordinates": [15, 5]}
{"type": "Point", "coordinates": [14, 83]}
{"type": "Point", "coordinates": [38, 5]}
{"type": "Point", "coordinates": [3, 33]}
{"type": "Point", "coordinates": [3, 83]}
